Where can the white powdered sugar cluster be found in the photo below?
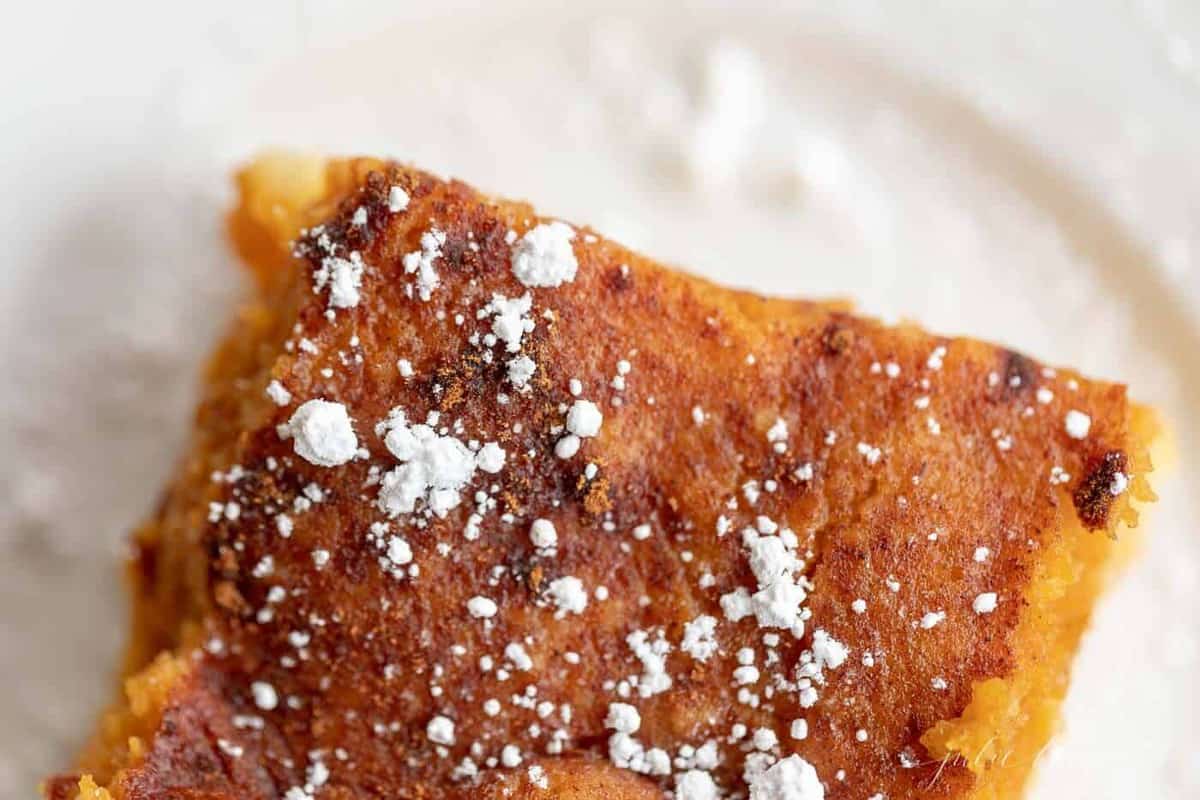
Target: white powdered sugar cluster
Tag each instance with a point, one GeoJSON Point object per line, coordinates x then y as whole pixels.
{"type": "Point", "coordinates": [583, 421]}
{"type": "Point", "coordinates": [790, 778]}
{"type": "Point", "coordinates": [510, 319]}
{"type": "Point", "coordinates": [341, 274]}
{"type": "Point", "coordinates": [655, 678]}
{"type": "Point", "coordinates": [568, 595]}
{"type": "Point", "coordinates": [321, 433]}
{"type": "Point", "coordinates": [825, 653]}
{"type": "Point", "coordinates": [521, 370]}
{"type": "Point", "coordinates": [625, 751]}
{"type": "Point", "coordinates": [779, 600]}
{"type": "Point", "coordinates": [435, 466]}
{"type": "Point", "coordinates": [343, 277]}
{"type": "Point", "coordinates": [278, 393]}
{"type": "Point", "coordinates": [420, 262]}
{"type": "Point", "coordinates": [440, 730]}
{"type": "Point", "coordinates": [543, 534]}
{"type": "Point", "coordinates": [699, 638]}
{"type": "Point", "coordinates": [395, 553]}
{"type": "Point", "coordinates": [543, 257]}
{"type": "Point", "coordinates": [398, 199]}
{"type": "Point", "coordinates": [695, 784]}
{"type": "Point", "coordinates": [1077, 424]}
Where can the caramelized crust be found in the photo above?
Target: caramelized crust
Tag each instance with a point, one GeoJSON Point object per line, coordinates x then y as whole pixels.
{"type": "Point", "coordinates": [902, 457]}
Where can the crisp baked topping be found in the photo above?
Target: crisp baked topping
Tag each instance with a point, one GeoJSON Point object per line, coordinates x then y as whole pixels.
{"type": "Point", "coordinates": [572, 534]}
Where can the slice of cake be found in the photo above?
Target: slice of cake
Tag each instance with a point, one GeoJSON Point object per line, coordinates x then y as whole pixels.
{"type": "Point", "coordinates": [480, 504]}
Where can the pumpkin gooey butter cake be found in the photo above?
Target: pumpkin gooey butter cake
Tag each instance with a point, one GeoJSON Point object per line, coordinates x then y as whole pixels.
{"type": "Point", "coordinates": [479, 504]}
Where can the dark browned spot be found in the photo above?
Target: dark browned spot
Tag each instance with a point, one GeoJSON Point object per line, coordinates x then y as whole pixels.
{"type": "Point", "coordinates": [226, 562]}
{"type": "Point", "coordinates": [526, 569]}
{"type": "Point", "coordinates": [465, 250]}
{"type": "Point", "coordinates": [836, 338]}
{"type": "Point", "coordinates": [452, 383]}
{"type": "Point", "coordinates": [1093, 497]}
{"type": "Point", "coordinates": [457, 252]}
{"type": "Point", "coordinates": [618, 278]}
{"type": "Point", "coordinates": [61, 787]}
{"type": "Point", "coordinates": [146, 560]}
{"type": "Point", "coordinates": [1019, 374]}
{"type": "Point", "coordinates": [374, 199]}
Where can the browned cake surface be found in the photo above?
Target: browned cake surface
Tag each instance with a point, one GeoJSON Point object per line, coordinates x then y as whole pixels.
{"type": "Point", "coordinates": [888, 458]}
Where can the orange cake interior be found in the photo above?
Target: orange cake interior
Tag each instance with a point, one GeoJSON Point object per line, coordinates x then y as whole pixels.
{"type": "Point", "coordinates": [478, 503]}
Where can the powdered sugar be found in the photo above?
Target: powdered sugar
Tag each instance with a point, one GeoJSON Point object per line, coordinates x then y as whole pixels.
{"type": "Point", "coordinates": [623, 718]}
{"type": "Point", "coordinates": [1077, 424]}
{"type": "Point", "coordinates": [345, 280]}
{"type": "Point", "coordinates": [827, 651]}
{"type": "Point", "coordinates": [791, 778]}
{"type": "Point", "coordinates": [985, 603]}
{"type": "Point", "coordinates": [278, 393]}
{"type": "Point", "coordinates": [544, 256]}
{"type": "Point", "coordinates": [931, 619]}
{"type": "Point", "coordinates": [421, 262]}
{"type": "Point", "coordinates": [567, 446]}
{"type": "Point", "coordinates": [542, 534]}
{"type": "Point", "coordinates": [399, 552]}
{"type": "Point", "coordinates": [265, 696]}
{"type": "Point", "coordinates": [343, 277]}
{"type": "Point", "coordinates": [653, 655]}
{"type": "Point", "coordinates": [491, 458]}
{"type": "Point", "coordinates": [397, 199]}
{"type": "Point", "coordinates": [699, 638]}
{"type": "Point", "coordinates": [481, 607]}
{"type": "Point", "coordinates": [321, 433]}
{"type": "Point", "coordinates": [520, 371]}
{"type": "Point", "coordinates": [511, 321]}
{"type": "Point", "coordinates": [440, 730]}
{"type": "Point", "coordinates": [568, 595]}
{"type": "Point", "coordinates": [435, 468]}
{"type": "Point", "coordinates": [584, 419]}
{"type": "Point", "coordinates": [695, 784]}
{"type": "Point", "coordinates": [778, 602]}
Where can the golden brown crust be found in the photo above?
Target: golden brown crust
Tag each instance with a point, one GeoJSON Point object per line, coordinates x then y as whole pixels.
{"type": "Point", "coordinates": [904, 454]}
